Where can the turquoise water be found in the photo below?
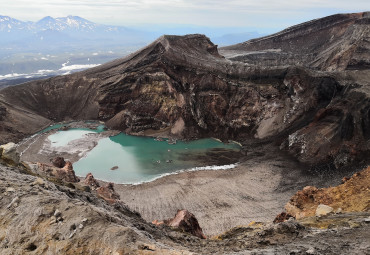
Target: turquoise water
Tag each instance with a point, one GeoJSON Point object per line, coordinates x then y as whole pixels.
{"type": "Point", "coordinates": [138, 159]}
{"type": "Point", "coordinates": [62, 138]}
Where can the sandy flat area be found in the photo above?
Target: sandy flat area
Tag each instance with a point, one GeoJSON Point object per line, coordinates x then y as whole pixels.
{"type": "Point", "coordinates": [256, 190]}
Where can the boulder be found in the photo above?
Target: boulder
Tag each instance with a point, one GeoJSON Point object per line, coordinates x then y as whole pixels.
{"type": "Point", "coordinates": [67, 173]}
{"type": "Point", "coordinates": [9, 154]}
{"type": "Point", "coordinates": [58, 162]}
{"type": "Point", "coordinates": [322, 210]}
{"type": "Point", "coordinates": [185, 221]}
{"type": "Point", "coordinates": [91, 181]}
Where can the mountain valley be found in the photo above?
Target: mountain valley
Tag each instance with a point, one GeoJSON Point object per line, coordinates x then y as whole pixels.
{"type": "Point", "coordinates": [298, 102]}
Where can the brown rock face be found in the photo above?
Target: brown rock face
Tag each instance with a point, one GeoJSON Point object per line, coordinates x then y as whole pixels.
{"type": "Point", "coordinates": [91, 181]}
{"type": "Point", "coordinates": [108, 193]}
{"type": "Point", "coordinates": [58, 162]}
{"type": "Point", "coordinates": [185, 221]}
{"type": "Point", "coordinates": [66, 173]}
{"type": "Point", "coordinates": [351, 196]}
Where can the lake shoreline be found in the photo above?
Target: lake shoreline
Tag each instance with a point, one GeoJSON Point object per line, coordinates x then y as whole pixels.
{"type": "Point", "coordinates": [255, 190]}
{"type": "Point", "coordinates": [86, 143]}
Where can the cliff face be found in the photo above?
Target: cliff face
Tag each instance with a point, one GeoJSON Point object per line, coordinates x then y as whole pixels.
{"type": "Point", "coordinates": [182, 86]}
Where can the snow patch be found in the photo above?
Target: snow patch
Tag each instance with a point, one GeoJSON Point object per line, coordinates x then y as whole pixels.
{"type": "Point", "coordinates": [77, 67]}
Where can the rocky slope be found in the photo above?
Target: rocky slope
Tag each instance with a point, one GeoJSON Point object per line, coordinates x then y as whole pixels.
{"type": "Point", "coordinates": [336, 42]}
{"type": "Point", "coordinates": [39, 216]}
{"type": "Point", "coordinates": [183, 87]}
{"type": "Point", "coordinates": [351, 196]}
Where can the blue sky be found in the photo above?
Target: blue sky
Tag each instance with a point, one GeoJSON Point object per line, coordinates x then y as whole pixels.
{"type": "Point", "coordinates": [264, 15]}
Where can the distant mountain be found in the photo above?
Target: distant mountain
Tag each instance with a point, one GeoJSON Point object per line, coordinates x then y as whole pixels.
{"type": "Point", "coordinates": [72, 27]}
{"type": "Point", "coordinates": [234, 38]}
{"type": "Point", "coordinates": [8, 24]}
{"type": "Point", "coordinates": [30, 49]}
{"type": "Point", "coordinates": [66, 23]}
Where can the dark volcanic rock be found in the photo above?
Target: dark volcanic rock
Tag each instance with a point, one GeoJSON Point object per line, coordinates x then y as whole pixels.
{"type": "Point", "coordinates": [282, 217]}
{"type": "Point", "coordinates": [336, 42]}
{"type": "Point", "coordinates": [2, 112]}
{"type": "Point", "coordinates": [58, 162]}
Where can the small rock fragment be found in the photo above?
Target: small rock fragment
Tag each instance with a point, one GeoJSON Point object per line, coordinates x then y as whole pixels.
{"type": "Point", "coordinates": [339, 210]}
{"type": "Point", "coordinates": [57, 213]}
{"type": "Point", "coordinates": [72, 234]}
{"type": "Point", "coordinates": [311, 251]}
{"type": "Point", "coordinates": [38, 181]}
{"type": "Point", "coordinates": [10, 189]}
{"type": "Point", "coordinates": [282, 217]}
{"type": "Point", "coordinates": [53, 220]}
{"type": "Point", "coordinates": [322, 210]}
{"type": "Point", "coordinates": [14, 202]}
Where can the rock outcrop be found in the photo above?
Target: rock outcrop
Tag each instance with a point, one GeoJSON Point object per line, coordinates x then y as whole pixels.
{"type": "Point", "coordinates": [282, 217]}
{"type": "Point", "coordinates": [9, 154]}
{"type": "Point", "coordinates": [91, 181]}
{"type": "Point", "coordinates": [58, 162]}
{"type": "Point", "coordinates": [185, 221]}
{"type": "Point", "coordinates": [322, 210]}
{"type": "Point", "coordinates": [108, 193]}
{"type": "Point", "coordinates": [66, 173]}
{"type": "Point", "coordinates": [351, 196]}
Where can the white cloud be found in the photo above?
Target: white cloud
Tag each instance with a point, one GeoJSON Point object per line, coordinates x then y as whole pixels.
{"type": "Point", "coordinates": [252, 13]}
